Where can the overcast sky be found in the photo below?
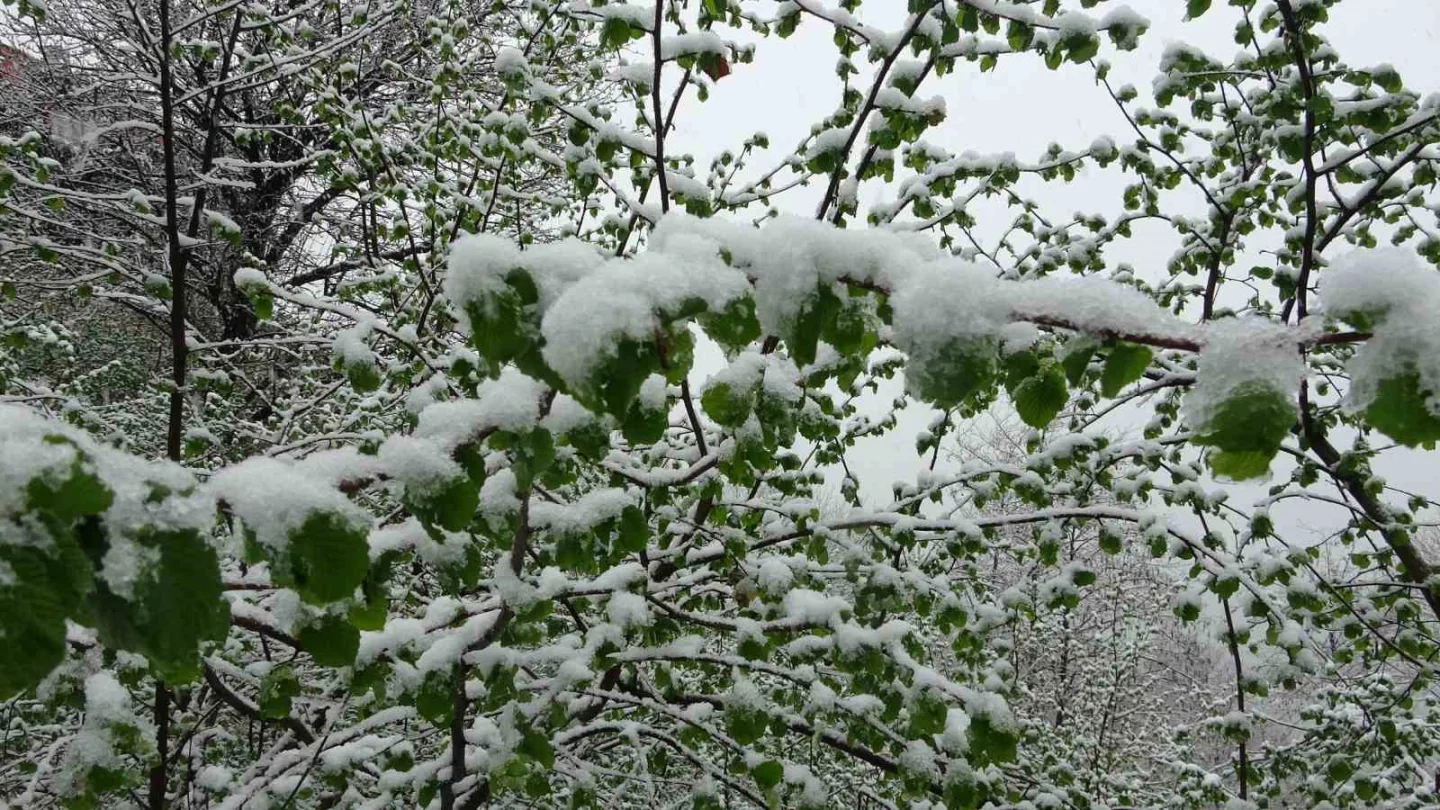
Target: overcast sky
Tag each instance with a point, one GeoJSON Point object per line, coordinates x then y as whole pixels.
{"type": "Point", "coordinates": [1022, 107]}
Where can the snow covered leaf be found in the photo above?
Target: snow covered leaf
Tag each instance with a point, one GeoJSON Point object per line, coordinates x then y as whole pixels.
{"type": "Point", "coordinates": [1246, 430]}
{"type": "Point", "coordinates": [172, 607]}
{"type": "Point", "coordinates": [960, 371]}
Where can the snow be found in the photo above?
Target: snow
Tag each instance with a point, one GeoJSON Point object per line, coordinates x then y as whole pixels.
{"type": "Point", "coordinates": [1242, 352]}
{"type": "Point", "coordinates": [625, 298]}
{"type": "Point", "coordinates": [106, 701]}
{"type": "Point", "coordinates": [274, 498]}
{"type": "Point", "coordinates": [510, 61]}
{"type": "Point", "coordinates": [418, 463]}
{"type": "Point", "coordinates": [628, 609]}
{"type": "Point", "coordinates": [791, 256]}
{"type": "Point", "coordinates": [250, 277]}
{"type": "Point", "coordinates": [775, 575]}
{"type": "Point", "coordinates": [1393, 289]}
{"type": "Point", "coordinates": [581, 515]}
{"type": "Point", "coordinates": [498, 494]}
{"type": "Point", "coordinates": [956, 736]}
{"type": "Point", "coordinates": [478, 265]}
{"type": "Point", "coordinates": [919, 759]}
{"type": "Point", "coordinates": [509, 402]}
{"type": "Point", "coordinates": [350, 347]}
{"type": "Point", "coordinates": [214, 778]}
{"type": "Point", "coordinates": [813, 607]}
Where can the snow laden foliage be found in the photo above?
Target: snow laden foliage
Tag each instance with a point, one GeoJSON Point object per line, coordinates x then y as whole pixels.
{"type": "Point", "coordinates": [515, 457]}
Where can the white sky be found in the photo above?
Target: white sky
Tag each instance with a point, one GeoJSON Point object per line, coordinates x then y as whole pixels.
{"type": "Point", "coordinates": [1022, 107]}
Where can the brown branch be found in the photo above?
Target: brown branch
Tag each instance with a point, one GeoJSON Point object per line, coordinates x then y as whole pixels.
{"type": "Point", "coordinates": [833, 188]}
{"type": "Point", "coordinates": [1295, 34]}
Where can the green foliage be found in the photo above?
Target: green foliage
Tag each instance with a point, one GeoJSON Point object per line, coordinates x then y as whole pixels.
{"type": "Point", "coordinates": [173, 608]}
{"type": "Point", "coordinates": [278, 689]}
{"type": "Point", "coordinates": [1038, 390]}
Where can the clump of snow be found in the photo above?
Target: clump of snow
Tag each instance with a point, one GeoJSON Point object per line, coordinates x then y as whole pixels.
{"type": "Point", "coordinates": [274, 498]}
{"type": "Point", "coordinates": [1396, 296]}
{"type": "Point", "coordinates": [498, 495]}
{"type": "Point", "coordinates": [626, 298]}
{"type": "Point", "coordinates": [350, 348]}
{"type": "Point", "coordinates": [107, 710]}
{"type": "Point", "coordinates": [775, 575]}
{"type": "Point", "coordinates": [1242, 353]}
{"type": "Point", "coordinates": [508, 402]}
{"type": "Point", "coordinates": [566, 414]}
{"type": "Point", "coordinates": [792, 256]}
{"type": "Point", "coordinates": [813, 607]}
{"type": "Point", "coordinates": [420, 464]}
{"type": "Point", "coordinates": [583, 514]}
{"type": "Point", "coordinates": [510, 61]}
{"type": "Point", "coordinates": [479, 263]}
{"type": "Point", "coordinates": [628, 609]}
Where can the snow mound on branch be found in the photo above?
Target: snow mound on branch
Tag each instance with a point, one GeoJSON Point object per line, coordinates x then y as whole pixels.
{"type": "Point", "coordinates": [508, 402]}
{"type": "Point", "coordinates": [1240, 352]}
{"type": "Point", "coordinates": [790, 257]}
{"type": "Point", "coordinates": [1392, 292]}
{"type": "Point", "coordinates": [275, 497]}
{"type": "Point", "coordinates": [628, 298]}
{"type": "Point", "coordinates": [480, 262]}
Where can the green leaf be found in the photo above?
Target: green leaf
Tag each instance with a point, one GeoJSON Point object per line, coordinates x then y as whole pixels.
{"type": "Point", "coordinates": [278, 689]}
{"type": "Point", "coordinates": [1039, 398]}
{"type": "Point", "coordinates": [733, 327]}
{"type": "Point", "coordinates": [727, 406]}
{"type": "Point", "coordinates": [634, 533]}
{"type": "Point", "coordinates": [1239, 466]}
{"type": "Point", "coordinates": [363, 377]}
{"type": "Point", "coordinates": [1125, 364]}
{"type": "Point", "coordinates": [993, 744]}
{"type": "Point", "coordinates": [816, 316]}
{"type": "Point", "coordinates": [33, 609]}
{"type": "Point", "coordinates": [1194, 8]}
{"type": "Point", "coordinates": [1246, 430]}
{"type": "Point", "coordinates": [644, 425]}
{"type": "Point", "coordinates": [79, 495]}
{"type": "Point", "coordinates": [328, 558]}
{"type": "Point", "coordinates": [435, 699]}
{"type": "Point", "coordinates": [1076, 361]}
{"type": "Point", "coordinates": [768, 774]}
{"type": "Point", "coordinates": [174, 608]}
{"type": "Point", "coordinates": [536, 745]}
{"type": "Point", "coordinates": [451, 506]}
{"type": "Point", "coordinates": [1400, 411]}
{"type": "Point", "coordinates": [745, 725]}
{"type": "Point", "coordinates": [962, 370]}
{"type": "Point", "coordinates": [332, 642]}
